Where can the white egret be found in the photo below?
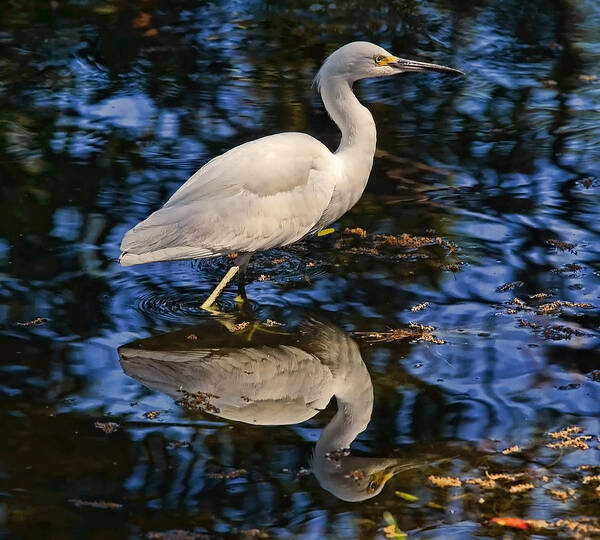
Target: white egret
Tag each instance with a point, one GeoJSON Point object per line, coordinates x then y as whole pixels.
{"type": "Point", "coordinates": [275, 190]}
{"type": "Point", "coordinates": [286, 380]}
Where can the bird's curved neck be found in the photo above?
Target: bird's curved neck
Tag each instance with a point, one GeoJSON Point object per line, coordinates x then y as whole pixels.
{"type": "Point", "coordinates": [354, 397]}
{"type": "Point", "coordinates": [354, 120]}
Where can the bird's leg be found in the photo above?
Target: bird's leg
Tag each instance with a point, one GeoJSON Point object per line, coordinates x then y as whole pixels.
{"type": "Point", "coordinates": [241, 283]}
{"type": "Point", "coordinates": [242, 262]}
{"type": "Point", "coordinates": [217, 290]}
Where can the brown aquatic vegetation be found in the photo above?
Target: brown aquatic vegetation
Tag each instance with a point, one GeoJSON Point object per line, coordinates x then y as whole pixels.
{"type": "Point", "coordinates": [589, 479]}
{"type": "Point", "coordinates": [566, 438]}
{"type": "Point", "coordinates": [562, 494]}
{"type": "Point", "coordinates": [520, 488]}
{"type": "Point", "coordinates": [194, 401]}
{"type": "Point", "coordinates": [567, 268]}
{"type": "Point", "coordinates": [560, 245]}
{"type": "Point", "coordinates": [553, 307]}
{"type": "Point", "coordinates": [406, 241]}
{"type": "Point", "coordinates": [104, 505]}
{"type": "Point", "coordinates": [445, 481]}
{"type": "Point", "coordinates": [35, 322]}
{"type": "Point", "coordinates": [561, 332]}
{"type": "Point", "coordinates": [363, 251]}
{"type": "Point", "coordinates": [523, 322]}
{"type": "Point", "coordinates": [414, 332]}
{"type": "Point", "coordinates": [236, 473]}
{"type": "Point", "coordinates": [509, 286]}
{"type": "Point", "coordinates": [240, 326]}
{"type": "Point", "coordinates": [176, 534]}
{"type": "Point", "coordinates": [356, 231]}
{"type": "Point", "coordinates": [419, 307]}
{"type": "Point", "coordinates": [107, 427]}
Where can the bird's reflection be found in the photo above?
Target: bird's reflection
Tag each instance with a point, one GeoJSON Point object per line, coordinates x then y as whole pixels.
{"type": "Point", "coordinates": [276, 378]}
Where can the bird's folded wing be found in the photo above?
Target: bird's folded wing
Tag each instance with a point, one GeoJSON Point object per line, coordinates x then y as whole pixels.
{"type": "Point", "coordinates": [266, 193]}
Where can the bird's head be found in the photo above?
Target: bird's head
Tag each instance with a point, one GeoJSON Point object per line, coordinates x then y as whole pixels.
{"type": "Point", "coordinates": [356, 479]}
{"type": "Point", "coordinates": [364, 60]}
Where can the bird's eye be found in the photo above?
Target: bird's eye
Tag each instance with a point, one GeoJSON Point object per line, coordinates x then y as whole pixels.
{"type": "Point", "coordinates": [372, 486]}
{"type": "Point", "coordinates": [378, 59]}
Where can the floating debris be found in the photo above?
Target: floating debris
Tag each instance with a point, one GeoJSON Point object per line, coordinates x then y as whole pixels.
{"type": "Point", "coordinates": [279, 260]}
{"type": "Point", "coordinates": [406, 496]}
{"type": "Point", "coordinates": [568, 268]}
{"type": "Point", "coordinates": [192, 337]}
{"type": "Point", "coordinates": [407, 241]}
{"type": "Point", "coordinates": [568, 438]}
{"type": "Point", "coordinates": [152, 414]}
{"type": "Point", "coordinates": [263, 277]}
{"type": "Point", "coordinates": [558, 332]}
{"type": "Point", "coordinates": [562, 494]}
{"type": "Point", "coordinates": [178, 444]}
{"type": "Point", "coordinates": [515, 523]}
{"type": "Point", "coordinates": [357, 231]}
{"type": "Point", "coordinates": [391, 530]}
{"type": "Point", "coordinates": [363, 251]}
{"type": "Point", "coordinates": [560, 245]}
{"type": "Point", "coordinates": [511, 450]}
{"type": "Point", "coordinates": [240, 326]}
{"type": "Point", "coordinates": [107, 427]}
{"type": "Point", "coordinates": [445, 481]}
{"type": "Point", "coordinates": [254, 533]}
{"type": "Point", "coordinates": [450, 267]}
{"type": "Point", "coordinates": [509, 286]}
{"type": "Point", "coordinates": [194, 401]}
{"type": "Point", "coordinates": [236, 473]}
{"type": "Point", "coordinates": [176, 534]}
{"type": "Point", "coordinates": [270, 322]}
{"type": "Point", "coordinates": [419, 307]}
{"type": "Point", "coordinates": [553, 307]}
{"type": "Point", "coordinates": [414, 332]}
{"type": "Point", "coordinates": [103, 505]}
{"type": "Point", "coordinates": [34, 322]}
{"type": "Point", "coordinates": [521, 488]}
{"type": "Point", "coordinates": [523, 322]}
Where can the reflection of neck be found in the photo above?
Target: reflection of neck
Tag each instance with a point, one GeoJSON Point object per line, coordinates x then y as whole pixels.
{"type": "Point", "coordinates": [354, 397]}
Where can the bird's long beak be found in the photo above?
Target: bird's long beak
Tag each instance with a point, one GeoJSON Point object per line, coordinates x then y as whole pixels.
{"type": "Point", "coordinates": [393, 467]}
{"type": "Point", "coordinates": [409, 66]}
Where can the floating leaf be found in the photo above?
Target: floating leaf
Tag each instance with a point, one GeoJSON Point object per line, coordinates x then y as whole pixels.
{"type": "Point", "coordinates": [392, 530]}
{"type": "Point", "coordinates": [325, 232]}
{"type": "Point", "coordinates": [407, 496]}
{"type": "Point", "coordinates": [515, 523]}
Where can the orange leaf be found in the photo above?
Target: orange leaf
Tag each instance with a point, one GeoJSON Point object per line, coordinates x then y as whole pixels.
{"type": "Point", "coordinates": [516, 523]}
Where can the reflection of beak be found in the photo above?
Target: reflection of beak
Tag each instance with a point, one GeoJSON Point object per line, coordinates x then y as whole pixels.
{"type": "Point", "coordinates": [391, 470]}
{"type": "Point", "coordinates": [405, 65]}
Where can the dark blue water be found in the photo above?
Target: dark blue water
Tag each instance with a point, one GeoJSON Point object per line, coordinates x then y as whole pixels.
{"type": "Point", "coordinates": [106, 107]}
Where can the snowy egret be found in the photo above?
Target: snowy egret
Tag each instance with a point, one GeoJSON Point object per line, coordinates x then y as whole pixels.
{"type": "Point", "coordinates": [275, 190]}
{"type": "Point", "coordinates": [285, 380]}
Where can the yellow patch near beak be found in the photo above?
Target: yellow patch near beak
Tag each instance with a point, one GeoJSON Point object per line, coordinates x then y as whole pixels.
{"type": "Point", "coordinates": [382, 477]}
{"type": "Point", "coordinates": [388, 60]}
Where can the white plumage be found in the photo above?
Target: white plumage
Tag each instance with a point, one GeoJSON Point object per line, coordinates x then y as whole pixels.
{"type": "Point", "coordinates": [275, 384]}
{"type": "Point", "coordinates": [275, 190]}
